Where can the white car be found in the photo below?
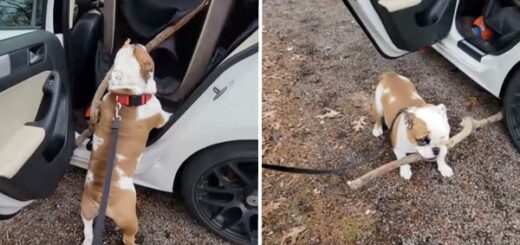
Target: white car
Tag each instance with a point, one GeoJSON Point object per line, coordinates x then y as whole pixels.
{"type": "Point", "coordinates": [53, 54]}
{"type": "Point", "coordinates": [489, 54]}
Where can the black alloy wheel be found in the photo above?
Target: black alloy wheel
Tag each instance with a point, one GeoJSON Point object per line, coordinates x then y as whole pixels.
{"type": "Point", "coordinates": [220, 187]}
{"type": "Point", "coordinates": [511, 111]}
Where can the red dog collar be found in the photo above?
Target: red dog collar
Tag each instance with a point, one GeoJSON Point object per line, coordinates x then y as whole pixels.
{"type": "Point", "coordinates": [133, 100]}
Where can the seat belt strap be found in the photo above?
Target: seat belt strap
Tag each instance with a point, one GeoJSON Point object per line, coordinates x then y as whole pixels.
{"type": "Point", "coordinates": [109, 20]}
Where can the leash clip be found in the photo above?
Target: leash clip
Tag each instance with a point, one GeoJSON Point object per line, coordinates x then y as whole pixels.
{"type": "Point", "coordinates": [118, 107]}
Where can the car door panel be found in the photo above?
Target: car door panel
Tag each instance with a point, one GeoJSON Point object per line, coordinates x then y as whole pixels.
{"type": "Point", "coordinates": [397, 27]}
{"type": "Point", "coordinates": [34, 115]}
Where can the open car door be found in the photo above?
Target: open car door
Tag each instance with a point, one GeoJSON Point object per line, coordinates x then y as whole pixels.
{"type": "Point", "coordinates": [35, 116]}
{"type": "Point", "coordinates": [397, 27]}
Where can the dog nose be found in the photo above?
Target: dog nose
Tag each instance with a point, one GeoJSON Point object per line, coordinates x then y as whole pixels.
{"type": "Point", "coordinates": [436, 151]}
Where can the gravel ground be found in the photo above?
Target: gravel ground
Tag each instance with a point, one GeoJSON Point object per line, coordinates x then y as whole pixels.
{"type": "Point", "coordinates": [316, 57]}
{"type": "Point", "coordinates": [56, 220]}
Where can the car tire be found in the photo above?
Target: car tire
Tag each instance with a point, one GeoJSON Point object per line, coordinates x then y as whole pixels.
{"type": "Point", "coordinates": [511, 109]}
{"type": "Point", "coordinates": [219, 185]}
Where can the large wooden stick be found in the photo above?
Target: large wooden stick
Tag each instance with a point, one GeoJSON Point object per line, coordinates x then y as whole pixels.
{"type": "Point", "coordinates": [156, 41]}
{"type": "Point", "coordinates": [468, 124]}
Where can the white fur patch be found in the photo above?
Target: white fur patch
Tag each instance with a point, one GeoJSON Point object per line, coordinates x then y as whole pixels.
{"type": "Point", "coordinates": [392, 99]}
{"type": "Point", "coordinates": [90, 177]}
{"type": "Point", "coordinates": [88, 231]}
{"type": "Point", "coordinates": [124, 182]}
{"type": "Point", "coordinates": [445, 170]}
{"type": "Point", "coordinates": [436, 123]}
{"type": "Point", "coordinates": [126, 74]}
{"type": "Point", "coordinates": [166, 116]}
{"type": "Point", "coordinates": [152, 108]}
{"type": "Point", "coordinates": [120, 157]}
{"type": "Point", "coordinates": [404, 170]}
{"type": "Point", "coordinates": [378, 98]}
{"type": "Point", "coordinates": [404, 78]}
{"type": "Point", "coordinates": [377, 131]}
{"type": "Point", "coordinates": [402, 144]}
{"type": "Point", "coordinates": [151, 87]}
{"type": "Point", "coordinates": [96, 142]}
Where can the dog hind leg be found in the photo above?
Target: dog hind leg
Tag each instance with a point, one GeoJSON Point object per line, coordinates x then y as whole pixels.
{"type": "Point", "coordinates": [377, 112]}
{"type": "Point", "coordinates": [88, 212]}
{"type": "Point", "coordinates": [123, 212]}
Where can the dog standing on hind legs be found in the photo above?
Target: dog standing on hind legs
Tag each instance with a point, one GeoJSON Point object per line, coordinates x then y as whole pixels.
{"type": "Point", "coordinates": [132, 85]}
{"type": "Point", "coordinates": [415, 126]}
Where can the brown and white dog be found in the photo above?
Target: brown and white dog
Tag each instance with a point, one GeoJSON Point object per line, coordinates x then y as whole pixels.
{"type": "Point", "coordinates": [416, 126]}
{"type": "Point", "coordinates": [131, 78]}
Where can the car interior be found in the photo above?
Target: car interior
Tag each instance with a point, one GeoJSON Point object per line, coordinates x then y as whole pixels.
{"type": "Point", "coordinates": [89, 61]}
{"type": "Point", "coordinates": [417, 26]}
{"type": "Point", "coordinates": [501, 16]}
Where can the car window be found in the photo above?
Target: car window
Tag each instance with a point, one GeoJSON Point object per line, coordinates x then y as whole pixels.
{"type": "Point", "coordinates": [21, 14]}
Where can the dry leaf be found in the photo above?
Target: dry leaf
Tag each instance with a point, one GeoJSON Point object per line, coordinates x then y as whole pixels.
{"type": "Point", "coordinates": [359, 124]}
{"type": "Point", "coordinates": [293, 235]}
{"type": "Point", "coordinates": [267, 114]}
{"type": "Point", "coordinates": [473, 102]}
{"type": "Point", "coordinates": [330, 114]}
{"type": "Point", "coordinates": [272, 206]}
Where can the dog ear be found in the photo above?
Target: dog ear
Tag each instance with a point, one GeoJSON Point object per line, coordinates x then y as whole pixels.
{"type": "Point", "coordinates": [127, 42]}
{"type": "Point", "coordinates": [145, 61]}
{"type": "Point", "coordinates": [409, 118]}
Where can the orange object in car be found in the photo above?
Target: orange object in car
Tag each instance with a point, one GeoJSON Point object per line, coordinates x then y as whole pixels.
{"type": "Point", "coordinates": [485, 32]}
{"type": "Point", "coordinates": [87, 112]}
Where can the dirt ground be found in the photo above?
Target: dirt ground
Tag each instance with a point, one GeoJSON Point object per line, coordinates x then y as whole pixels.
{"type": "Point", "coordinates": [56, 220]}
{"type": "Point", "coordinates": [317, 57]}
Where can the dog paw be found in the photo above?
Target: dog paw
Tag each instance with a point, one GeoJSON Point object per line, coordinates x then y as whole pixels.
{"type": "Point", "coordinates": [377, 131]}
{"type": "Point", "coordinates": [87, 242]}
{"type": "Point", "coordinates": [405, 172]}
{"type": "Point", "coordinates": [446, 171]}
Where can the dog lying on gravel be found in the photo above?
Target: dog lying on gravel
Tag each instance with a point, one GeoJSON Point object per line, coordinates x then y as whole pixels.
{"type": "Point", "coordinates": [132, 85]}
{"type": "Point", "coordinates": [415, 126]}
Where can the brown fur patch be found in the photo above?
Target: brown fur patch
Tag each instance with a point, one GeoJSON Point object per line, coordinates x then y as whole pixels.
{"type": "Point", "coordinates": [398, 93]}
{"type": "Point", "coordinates": [418, 128]}
{"type": "Point", "coordinates": [132, 138]}
{"type": "Point", "coordinates": [145, 61]}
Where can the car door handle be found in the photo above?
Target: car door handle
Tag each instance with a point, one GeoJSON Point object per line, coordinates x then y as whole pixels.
{"type": "Point", "coordinates": [36, 54]}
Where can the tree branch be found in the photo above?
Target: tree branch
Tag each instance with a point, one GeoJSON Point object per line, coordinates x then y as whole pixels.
{"type": "Point", "coordinates": [469, 125]}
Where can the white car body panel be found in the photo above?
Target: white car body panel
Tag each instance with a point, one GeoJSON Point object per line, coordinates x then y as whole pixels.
{"type": "Point", "coordinates": [208, 121]}
{"type": "Point", "coordinates": [9, 205]}
{"type": "Point", "coordinates": [368, 15]}
{"type": "Point", "coordinates": [490, 72]}
{"type": "Point", "coordinates": [232, 116]}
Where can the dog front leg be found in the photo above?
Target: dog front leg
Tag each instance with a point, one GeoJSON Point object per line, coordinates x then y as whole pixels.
{"type": "Point", "coordinates": [165, 117]}
{"type": "Point", "coordinates": [442, 166]}
{"type": "Point", "coordinates": [88, 231]}
{"type": "Point", "coordinates": [405, 171]}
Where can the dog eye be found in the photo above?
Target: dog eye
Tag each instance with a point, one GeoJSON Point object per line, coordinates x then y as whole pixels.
{"type": "Point", "coordinates": [423, 141]}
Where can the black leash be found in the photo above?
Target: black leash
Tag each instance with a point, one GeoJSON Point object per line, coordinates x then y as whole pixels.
{"type": "Point", "coordinates": [339, 170]}
{"type": "Point", "coordinates": [99, 225]}
{"type": "Point", "coordinates": [401, 111]}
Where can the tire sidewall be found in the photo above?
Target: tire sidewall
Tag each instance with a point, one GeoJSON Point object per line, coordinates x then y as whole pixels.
{"type": "Point", "coordinates": [509, 116]}
{"type": "Point", "coordinates": [202, 162]}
